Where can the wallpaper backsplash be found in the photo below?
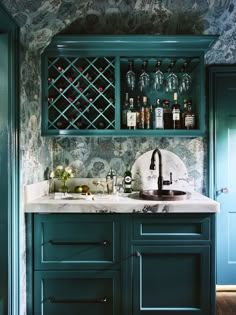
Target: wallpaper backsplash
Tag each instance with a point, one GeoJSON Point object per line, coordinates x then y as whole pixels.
{"type": "Point", "coordinates": [41, 20]}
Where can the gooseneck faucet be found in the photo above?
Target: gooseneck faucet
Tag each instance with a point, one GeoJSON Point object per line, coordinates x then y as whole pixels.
{"type": "Point", "coordinates": [160, 181]}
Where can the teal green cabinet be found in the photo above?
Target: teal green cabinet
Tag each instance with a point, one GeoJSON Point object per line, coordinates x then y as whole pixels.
{"type": "Point", "coordinates": [158, 264]}
{"type": "Point", "coordinates": [91, 243]}
{"type": "Point", "coordinates": [84, 82]}
{"type": "Point", "coordinates": [77, 292]}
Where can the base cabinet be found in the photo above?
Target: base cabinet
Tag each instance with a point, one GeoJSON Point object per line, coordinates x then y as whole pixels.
{"type": "Point", "coordinates": [154, 264]}
{"type": "Point", "coordinates": [76, 292]}
{"type": "Point", "coordinates": [171, 280]}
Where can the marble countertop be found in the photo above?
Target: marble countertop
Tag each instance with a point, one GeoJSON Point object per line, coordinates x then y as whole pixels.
{"type": "Point", "coordinates": [122, 203]}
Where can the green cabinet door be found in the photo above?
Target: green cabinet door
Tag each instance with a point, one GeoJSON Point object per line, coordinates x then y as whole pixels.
{"type": "Point", "coordinates": [171, 279]}
{"type": "Point", "coordinates": [77, 292]}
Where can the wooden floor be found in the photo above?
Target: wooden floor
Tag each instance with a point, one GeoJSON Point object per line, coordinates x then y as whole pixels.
{"type": "Point", "coordinates": [226, 303]}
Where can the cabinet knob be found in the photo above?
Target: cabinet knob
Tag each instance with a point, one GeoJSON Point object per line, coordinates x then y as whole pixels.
{"type": "Point", "coordinates": [223, 190]}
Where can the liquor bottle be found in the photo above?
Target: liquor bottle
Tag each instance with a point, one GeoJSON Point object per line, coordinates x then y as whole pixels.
{"type": "Point", "coordinates": [138, 107]}
{"type": "Point", "coordinates": [158, 115]}
{"type": "Point", "coordinates": [142, 116]}
{"type": "Point", "coordinates": [176, 113]}
{"type": "Point", "coordinates": [131, 115]}
{"type": "Point", "coordinates": [124, 111]}
{"type": "Point", "coordinates": [185, 110]}
{"type": "Point", "coordinates": [189, 118]}
{"type": "Point", "coordinates": [168, 123]}
{"type": "Point", "coordinates": [128, 180]}
{"type": "Point", "coordinates": [147, 116]}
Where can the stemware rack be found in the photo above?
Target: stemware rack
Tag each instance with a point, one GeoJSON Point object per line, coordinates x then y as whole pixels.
{"type": "Point", "coordinates": [84, 84]}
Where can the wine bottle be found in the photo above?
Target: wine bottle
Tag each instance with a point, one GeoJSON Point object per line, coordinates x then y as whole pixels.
{"type": "Point", "coordinates": [167, 112]}
{"type": "Point", "coordinates": [176, 113]}
{"type": "Point", "coordinates": [131, 115]}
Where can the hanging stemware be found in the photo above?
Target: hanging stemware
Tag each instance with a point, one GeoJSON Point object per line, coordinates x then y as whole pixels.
{"type": "Point", "coordinates": [185, 80]}
{"type": "Point", "coordinates": [158, 79]}
{"type": "Point", "coordinates": [144, 78]}
{"type": "Point", "coordinates": [130, 75]}
{"type": "Point", "coordinates": [172, 82]}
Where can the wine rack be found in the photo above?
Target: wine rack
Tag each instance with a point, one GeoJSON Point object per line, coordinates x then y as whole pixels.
{"type": "Point", "coordinates": [84, 81]}
{"type": "Point", "coordinates": [81, 93]}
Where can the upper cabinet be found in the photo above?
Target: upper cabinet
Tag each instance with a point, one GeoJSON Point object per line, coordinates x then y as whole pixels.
{"type": "Point", "coordinates": [129, 85]}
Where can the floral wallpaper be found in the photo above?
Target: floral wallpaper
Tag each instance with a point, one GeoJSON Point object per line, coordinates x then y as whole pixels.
{"type": "Point", "coordinates": [40, 20]}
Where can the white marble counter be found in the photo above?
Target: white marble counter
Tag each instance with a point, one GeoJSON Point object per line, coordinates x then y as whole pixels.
{"type": "Point", "coordinates": [123, 203]}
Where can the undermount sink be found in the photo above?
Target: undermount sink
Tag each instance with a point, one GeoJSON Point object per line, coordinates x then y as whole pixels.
{"type": "Point", "coordinates": [163, 195]}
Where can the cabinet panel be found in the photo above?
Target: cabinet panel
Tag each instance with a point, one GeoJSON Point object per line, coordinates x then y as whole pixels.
{"type": "Point", "coordinates": [82, 241]}
{"type": "Point", "coordinates": [172, 228]}
{"type": "Point", "coordinates": [76, 293]}
{"type": "Point", "coordinates": [171, 280]}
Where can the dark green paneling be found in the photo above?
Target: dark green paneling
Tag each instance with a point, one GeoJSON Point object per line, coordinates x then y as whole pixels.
{"type": "Point", "coordinates": [9, 222]}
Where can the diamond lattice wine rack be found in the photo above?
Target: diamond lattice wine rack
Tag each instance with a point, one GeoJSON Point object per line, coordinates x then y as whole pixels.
{"type": "Point", "coordinates": [81, 93]}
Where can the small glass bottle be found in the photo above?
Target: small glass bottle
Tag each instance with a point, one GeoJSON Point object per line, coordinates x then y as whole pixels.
{"type": "Point", "coordinates": [167, 113]}
{"type": "Point", "coordinates": [176, 113]}
{"type": "Point", "coordinates": [158, 115]}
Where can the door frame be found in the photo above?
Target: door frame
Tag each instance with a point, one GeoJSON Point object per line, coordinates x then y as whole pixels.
{"type": "Point", "coordinates": [10, 304]}
{"type": "Point", "coordinates": [212, 71]}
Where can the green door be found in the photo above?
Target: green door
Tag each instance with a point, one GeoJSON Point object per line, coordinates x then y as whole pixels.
{"type": "Point", "coordinates": [222, 80]}
{"type": "Point", "coordinates": [3, 172]}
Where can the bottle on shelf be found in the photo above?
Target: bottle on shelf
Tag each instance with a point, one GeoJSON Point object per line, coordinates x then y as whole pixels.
{"type": "Point", "coordinates": [131, 115]}
{"type": "Point", "coordinates": [167, 113]}
{"type": "Point", "coordinates": [142, 116]}
{"type": "Point", "coordinates": [138, 107]}
{"type": "Point", "coordinates": [124, 111]}
{"type": "Point", "coordinates": [147, 115]}
{"type": "Point", "coordinates": [189, 117]}
{"type": "Point", "coordinates": [158, 115]}
{"type": "Point", "coordinates": [176, 113]}
{"type": "Point", "coordinates": [128, 180]}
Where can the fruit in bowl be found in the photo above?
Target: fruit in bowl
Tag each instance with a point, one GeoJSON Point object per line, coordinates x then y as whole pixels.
{"type": "Point", "coordinates": [81, 189]}
{"type": "Point", "coordinates": [78, 189]}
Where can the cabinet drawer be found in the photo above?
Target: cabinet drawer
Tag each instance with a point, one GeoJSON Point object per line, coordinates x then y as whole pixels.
{"type": "Point", "coordinates": [172, 227]}
{"type": "Point", "coordinates": [65, 241]}
{"type": "Point", "coordinates": [65, 292]}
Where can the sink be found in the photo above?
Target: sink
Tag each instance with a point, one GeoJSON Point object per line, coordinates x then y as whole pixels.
{"type": "Point", "coordinates": [163, 195]}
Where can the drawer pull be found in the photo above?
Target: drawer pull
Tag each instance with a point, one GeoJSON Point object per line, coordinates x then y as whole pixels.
{"type": "Point", "coordinates": [103, 243]}
{"type": "Point", "coordinates": [53, 300]}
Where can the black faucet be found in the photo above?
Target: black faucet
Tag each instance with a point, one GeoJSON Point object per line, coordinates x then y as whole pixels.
{"type": "Point", "coordinates": [160, 181]}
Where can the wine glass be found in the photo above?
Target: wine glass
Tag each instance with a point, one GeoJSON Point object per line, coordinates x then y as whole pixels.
{"type": "Point", "coordinates": [130, 75]}
{"type": "Point", "coordinates": [185, 80]}
{"type": "Point", "coordinates": [172, 81]}
{"type": "Point", "coordinates": [144, 79]}
{"type": "Point", "coordinates": [158, 80]}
